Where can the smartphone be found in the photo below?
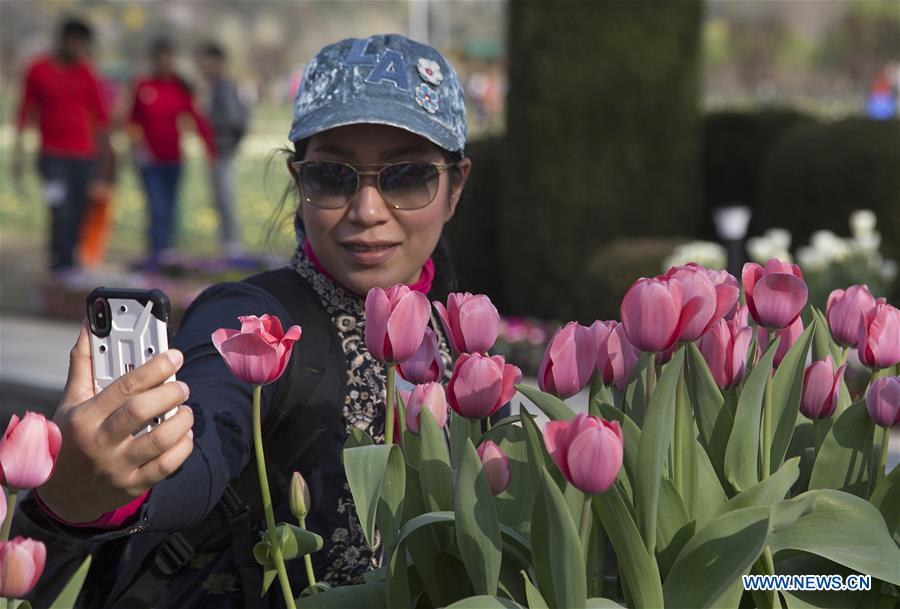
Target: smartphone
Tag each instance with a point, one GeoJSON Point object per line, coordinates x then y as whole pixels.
{"type": "Point", "coordinates": [128, 328]}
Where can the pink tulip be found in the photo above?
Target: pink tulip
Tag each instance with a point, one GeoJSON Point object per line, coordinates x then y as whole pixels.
{"type": "Point", "coordinates": [568, 361]}
{"type": "Point", "coordinates": [775, 294]}
{"type": "Point", "coordinates": [480, 385]}
{"type": "Point", "coordinates": [28, 451]}
{"type": "Point", "coordinates": [788, 337]}
{"type": "Point", "coordinates": [588, 451]}
{"type": "Point", "coordinates": [727, 292]}
{"type": "Point", "coordinates": [395, 322]}
{"type": "Point", "coordinates": [471, 322]}
{"type": "Point", "coordinates": [616, 356]}
{"type": "Point", "coordinates": [430, 396]}
{"type": "Point", "coordinates": [821, 386]}
{"type": "Point", "coordinates": [844, 312]}
{"type": "Point", "coordinates": [259, 352]}
{"type": "Point", "coordinates": [879, 337]}
{"type": "Point", "coordinates": [496, 466]}
{"type": "Point", "coordinates": [21, 565]}
{"type": "Point", "coordinates": [651, 310]}
{"type": "Point", "coordinates": [426, 364]}
{"type": "Point", "coordinates": [724, 347]}
{"type": "Point", "coordinates": [3, 506]}
{"type": "Point", "coordinates": [705, 301]}
{"type": "Point", "coordinates": [883, 401]}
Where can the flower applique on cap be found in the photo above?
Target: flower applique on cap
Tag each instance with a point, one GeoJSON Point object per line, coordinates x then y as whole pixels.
{"type": "Point", "coordinates": [427, 98]}
{"type": "Point", "coordinates": [430, 71]}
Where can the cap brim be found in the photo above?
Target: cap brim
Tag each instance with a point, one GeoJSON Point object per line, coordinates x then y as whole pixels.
{"type": "Point", "coordinates": [386, 113]}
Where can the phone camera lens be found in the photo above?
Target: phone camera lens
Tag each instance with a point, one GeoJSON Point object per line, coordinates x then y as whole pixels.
{"type": "Point", "coordinates": [149, 350]}
{"type": "Point", "coordinates": [102, 348]}
{"type": "Point", "coordinates": [123, 308]}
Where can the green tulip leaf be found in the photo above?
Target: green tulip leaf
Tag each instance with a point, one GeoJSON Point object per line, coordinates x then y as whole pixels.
{"type": "Point", "coordinates": [459, 433]}
{"type": "Point", "coordinates": [768, 492]}
{"type": "Point", "coordinates": [534, 441]}
{"type": "Point", "coordinates": [514, 505]}
{"type": "Point", "coordinates": [631, 435]}
{"type": "Point", "coordinates": [685, 463]}
{"type": "Point", "coordinates": [634, 402]}
{"type": "Point", "coordinates": [787, 388]}
{"type": "Point", "coordinates": [710, 494]}
{"type": "Point", "coordinates": [358, 437]}
{"type": "Point", "coordinates": [556, 548]}
{"type": "Point", "coordinates": [886, 497]}
{"type": "Point", "coordinates": [716, 557]}
{"type": "Point", "coordinates": [485, 602]}
{"type": "Point", "coordinates": [369, 595]}
{"type": "Point", "coordinates": [533, 595]}
{"type": "Point", "coordinates": [550, 405]}
{"type": "Point", "coordinates": [69, 594]}
{"type": "Point", "coordinates": [845, 529]}
{"type": "Point", "coordinates": [655, 438]}
{"type": "Point", "coordinates": [714, 421]}
{"type": "Point", "coordinates": [674, 526]}
{"type": "Point", "coordinates": [477, 525]}
{"type": "Point", "coordinates": [823, 343]}
{"type": "Point", "coordinates": [377, 479]}
{"type": "Point", "coordinates": [742, 452]}
{"type": "Point", "coordinates": [434, 465]}
{"type": "Point", "coordinates": [269, 575]}
{"type": "Point", "coordinates": [603, 603]}
{"type": "Point", "coordinates": [638, 568]}
{"type": "Point", "coordinates": [845, 456]}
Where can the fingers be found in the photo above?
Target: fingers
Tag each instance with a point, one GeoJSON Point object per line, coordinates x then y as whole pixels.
{"type": "Point", "coordinates": [80, 382]}
{"type": "Point", "coordinates": [141, 379]}
{"type": "Point", "coordinates": [144, 406]}
{"type": "Point", "coordinates": [164, 465]}
{"type": "Point", "coordinates": [149, 446]}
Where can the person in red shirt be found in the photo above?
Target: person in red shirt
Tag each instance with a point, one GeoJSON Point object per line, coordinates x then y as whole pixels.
{"type": "Point", "coordinates": [160, 102]}
{"type": "Point", "coordinates": [62, 96]}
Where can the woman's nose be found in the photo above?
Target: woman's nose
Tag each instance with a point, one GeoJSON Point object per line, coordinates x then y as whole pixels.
{"type": "Point", "coordinates": [367, 207]}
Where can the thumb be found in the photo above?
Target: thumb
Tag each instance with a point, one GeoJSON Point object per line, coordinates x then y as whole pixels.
{"type": "Point", "coordinates": [80, 382]}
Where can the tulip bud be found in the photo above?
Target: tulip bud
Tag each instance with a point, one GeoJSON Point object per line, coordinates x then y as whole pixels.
{"type": "Point", "coordinates": [3, 506]}
{"type": "Point", "coordinates": [259, 352]}
{"type": "Point", "coordinates": [775, 294]}
{"type": "Point", "coordinates": [821, 386]}
{"type": "Point", "coordinates": [568, 361]}
{"type": "Point", "coordinates": [480, 385]}
{"type": "Point", "coordinates": [21, 565]}
{"type": "Point", "coordinates": [430, 396]}
{"type": "Point", "coordinates": [724, 347]}
{"type": "Point", "coordinates": [588, 451]}
{"type": "Point", "coordinates": [883, 401]}
{"type": "Point", "coordinates": [699, 302]}
{"type": "Point", "coordinates": [426, 364]}
{"type": "Point", "coordinates": [496, 466]}
{"type": "Point", "coordinates": [299, 499]}
{"type": "Point", "coordinates": [879, 337]}
{"type": "Point", "coordinates": [651, 310]}
{"type": "Point", "coordinates": [395, 322]}
{"type": "Point", "coordinates": [844, 312]}
{"type": "Point", "coordinates": [470, 321]}
{"type": "Point", "coordinates": [788, 336]}
{"type": "Point", "coordinates": [28, 451]}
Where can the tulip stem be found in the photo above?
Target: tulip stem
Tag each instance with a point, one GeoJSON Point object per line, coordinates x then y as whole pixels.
{"type": "Point", "coordinates": [389, 416]}
{"type": "Point", "coordinates": [882, 468]}
{"type": "Point", "coordinates": [474, 431]}
{"type": "Point", "coordinates": [818, 424]}
{"type": "Point", "coordinates": [10, 508]}
{"type": "Point", "coordinates": [844, 354]}
{"type": "Point", "coordinates": [767, 429]}
{"type": "Point", "coordinates": [267, 499]}
{"type": "Point", "coordinates": [651, 378]}
{"type": "Point", "coordinates": [310, 574]}
{"type": "Point", "coordinates": [584, 531]}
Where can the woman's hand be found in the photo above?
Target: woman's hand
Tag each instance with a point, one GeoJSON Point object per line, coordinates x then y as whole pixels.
{"type": "Point", "coordinates": [101, 466]}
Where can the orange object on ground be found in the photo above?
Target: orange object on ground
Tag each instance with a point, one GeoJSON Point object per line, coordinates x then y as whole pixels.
{"type": "Point", "coordinates": [95, 226]}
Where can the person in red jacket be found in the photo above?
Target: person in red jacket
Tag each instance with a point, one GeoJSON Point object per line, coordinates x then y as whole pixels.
{"type": "Point", "coordinates": [160, 102]}
{"type": "Point", "coordinates": [62, 96]}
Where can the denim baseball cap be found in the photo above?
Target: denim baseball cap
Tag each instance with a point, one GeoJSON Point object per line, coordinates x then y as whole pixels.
{"type": "Point", "coordinates": [386, 79]}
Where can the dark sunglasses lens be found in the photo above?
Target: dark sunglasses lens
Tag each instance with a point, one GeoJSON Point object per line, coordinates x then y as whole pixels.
{"type": "Point", "coordinates": [327, 184]}
{"type": "Point", "coordinates": [409, 185]}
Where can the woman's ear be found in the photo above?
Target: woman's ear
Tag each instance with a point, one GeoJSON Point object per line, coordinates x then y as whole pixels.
{"type": "Point", "coordinates": [458, 183]}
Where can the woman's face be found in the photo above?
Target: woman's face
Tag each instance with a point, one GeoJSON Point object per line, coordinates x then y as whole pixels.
{"type": "Point", "coordinates": [367, 243]}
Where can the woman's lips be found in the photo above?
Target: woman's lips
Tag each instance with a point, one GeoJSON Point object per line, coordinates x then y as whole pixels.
{"type": "Point", "coordinates": [369, 254]}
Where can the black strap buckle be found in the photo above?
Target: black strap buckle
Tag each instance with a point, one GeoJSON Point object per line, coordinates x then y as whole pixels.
{"type": "Point", "coordinates": [235, 511]}
{"type": "Point", "coordinates": [173, 554]}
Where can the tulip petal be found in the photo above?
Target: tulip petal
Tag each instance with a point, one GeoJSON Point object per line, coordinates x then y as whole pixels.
{"type": "Point", "coordinates": [594, 459]}
{"type": "Point", "coordinates": [779, 298]}
{"type": "Point", "coordinates": [750, 274]}
{"type": "Point", "coordinates": [378, 311]}
{"type": "Point", "coordinates": [221, 335]}
{"type": "Point", "coordinates": [448, 330]}
{"type": "Point", "coordinates": [406, 325]}
{"type": "Point", "coordinates": [479, 323]}
{"type": "Point", "coordinates": [555, 435]}
{"type": "Point", "coordinates": [476, 387]}
{"type": "Point", "coordinates": [512, 376]}
{"type": "Point", "coordinates": [250, 358]}
{"type": "Point", "coordinates": [650, 315]}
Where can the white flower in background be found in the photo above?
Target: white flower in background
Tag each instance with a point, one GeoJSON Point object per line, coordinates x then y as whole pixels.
{"type": "Point", "coordinates": [832, 246]}
{"type": "Point", "coordinates": [812, 259]}
{"type": "Point", "coordinates": [869, 243]}
{"type": "Point", "coordinates": [780, 238]}
{"type": "Point", "coordinates": [889, 270]}
{"type": "Point", "coordinates": [862, 222]}
{"type": "Point", "coordinates": [706, 253]}
{"type": "Point", "coordinates": [774, 243]}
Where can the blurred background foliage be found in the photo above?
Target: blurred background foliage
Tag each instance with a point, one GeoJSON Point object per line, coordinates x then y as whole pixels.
{"type": "Point", "coordinates": [608, 134]}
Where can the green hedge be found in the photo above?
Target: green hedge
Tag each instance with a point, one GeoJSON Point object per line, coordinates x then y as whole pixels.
{"type": "Point", "coordinates": [603, 141]}
{"type": "Point", "coordinates": [818, 174]}
{"type": "Point", "coordinates": [735, 145]}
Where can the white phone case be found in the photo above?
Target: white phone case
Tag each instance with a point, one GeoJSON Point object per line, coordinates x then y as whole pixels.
{"type": "Point", "coordinates": [135, 337]}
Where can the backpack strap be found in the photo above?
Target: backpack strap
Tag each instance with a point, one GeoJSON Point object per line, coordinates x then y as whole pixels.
{"type": "Point", "coordinates": [297, 429]}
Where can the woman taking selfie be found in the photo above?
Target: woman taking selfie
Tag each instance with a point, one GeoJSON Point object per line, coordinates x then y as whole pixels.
{"type": "Point", "coordinates": [378, 138]}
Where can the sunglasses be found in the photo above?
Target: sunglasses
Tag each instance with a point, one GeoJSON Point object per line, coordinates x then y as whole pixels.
{"type": "Point", "coordinates": [332, 184]}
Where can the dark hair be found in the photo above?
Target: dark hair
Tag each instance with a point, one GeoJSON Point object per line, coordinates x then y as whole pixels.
{"type": "Point", "coordinates": [75, 28]}
{"type": "Point", "coordinates": [445, 280]}
{"type": "Point", "coordinates": [211, 49]}
{"type": "Point", "coordinates": [161, 45]}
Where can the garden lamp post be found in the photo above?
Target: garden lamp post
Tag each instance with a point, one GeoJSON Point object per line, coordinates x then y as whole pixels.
{"type": "Point", "coordinates": [731, 222]}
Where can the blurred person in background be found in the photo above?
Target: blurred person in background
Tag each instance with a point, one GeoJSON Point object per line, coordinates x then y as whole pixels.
{"type": "Point", "coordinates": [228, 117]}
{"type": "Point", "coordinates": [62, 96]}
{"type": "Point", "coordinates": [161, 100]}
